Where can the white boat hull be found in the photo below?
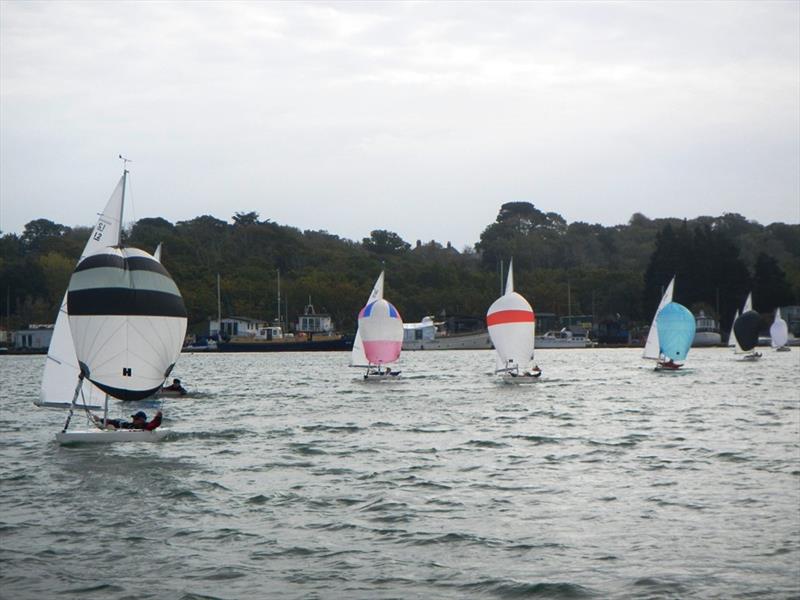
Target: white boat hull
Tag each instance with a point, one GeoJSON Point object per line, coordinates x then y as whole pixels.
{"type": "Point", "coordinates": [544, 342]}
{"type": "Point", "coordinates": [703, 339]}
{"type": "Point", "coordinates": [468, 341]}
{"type": "Point", "coordinates": [518, 380]}
{"type": "Point", "coordinates": [97, 436]}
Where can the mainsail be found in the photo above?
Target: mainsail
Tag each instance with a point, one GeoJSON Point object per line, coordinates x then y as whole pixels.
{"type": "Point", "coordinates": [652, 347]}
{"type": "Point", "coordinates": [732, 343]}
{"type": "Point", "coordinates": [61, 368]}
{"type": "Point", "coordinates": [128, 321]}
{"type": "Point", "coordinates": [512, 329]}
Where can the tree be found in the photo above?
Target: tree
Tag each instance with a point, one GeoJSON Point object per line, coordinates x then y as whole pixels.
{"type": "Point", "coordinates": [40, 229]}
{"type": "Point", "coordinates": [770, 288]}
{"type": "Point", "coordinates": [381, 241]}
{"type": "Point", "coordinates": [248, 218]}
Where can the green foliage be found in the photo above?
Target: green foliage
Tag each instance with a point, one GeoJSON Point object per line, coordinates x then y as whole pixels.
{"type": "Point", "coordinates": [605, 271]}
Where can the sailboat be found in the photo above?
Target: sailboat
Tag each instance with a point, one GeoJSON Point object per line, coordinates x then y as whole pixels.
{"type": "Point", "coordinates": [671, 333]}
{"type": "Point", "coordinates": [379, 338]}
{"type": "Point", "coordinates": [745, 331]}
{"type": "Point", "coordinates": [127, 321]}
{"type": "Point", "coordinates": [512, 327]}
{"type": "Point", "coordinates": [779, 333]}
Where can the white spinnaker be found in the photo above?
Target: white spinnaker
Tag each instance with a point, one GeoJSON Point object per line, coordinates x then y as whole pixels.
{"type": "Point", "coordinates": [147, 345]}
{"type": "Point", "coordinates": [61, 367]}
{"type": "Point", "coordinates": [381, 332]}
{"type": "Point", "coordinates": [512, 328]}
{"type": "Point", "coordinates": [126, 352]}
{"type": "Point", "coordinates": [358, 357]}
{"type": "Point", "coordinates": [778, 331]}
{"type": "Point", "coordinates": [651, 346]}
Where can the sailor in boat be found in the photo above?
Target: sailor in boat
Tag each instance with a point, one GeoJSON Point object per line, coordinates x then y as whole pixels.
{"type": "Point", "coordinates": [175, 387]}
{"type": "Point", "coordinates": [669, 364]}
{"type": "Point", "coordinates": [535, 371]}
{"type": "Point", "coordinates": [139, 422]}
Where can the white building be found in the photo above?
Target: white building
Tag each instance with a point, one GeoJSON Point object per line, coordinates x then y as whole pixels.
{"type": "Point", "coordinates": [35, 337]}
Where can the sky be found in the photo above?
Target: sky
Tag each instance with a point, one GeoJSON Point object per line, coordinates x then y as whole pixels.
{"type": "Point", "coordinates": [422, 118]}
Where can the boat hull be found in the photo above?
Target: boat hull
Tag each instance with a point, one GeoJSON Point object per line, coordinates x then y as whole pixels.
{"type": "Point", "coordinates": [705, 339]}
{"type": "Point", "coordinates": [467, 341]}
{"type": "Point", "coordinates": [518, 380]}
{"type": "Point", "coordinates": [543, 342]}
{"type": "Point", "coordinates": [342, 344]}
{"type": "Point", "coordinates": [98, 436]}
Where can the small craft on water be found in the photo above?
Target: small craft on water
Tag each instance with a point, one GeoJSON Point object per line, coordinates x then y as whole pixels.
{"type": "Point", "coordinates": [745, 331]}
{"type": "Point", "coordinates": [379, 338]}
{"type": "Point", "coordinates": [127, 321]}
{"type": "Point", "coordinates": [173, 390]}
{"type": "Point", "coordinates": [671, 333]}
{"type": "Point", "coordinates": [512, 327]}
{"type": "Point", "coordinates": [779, 333]}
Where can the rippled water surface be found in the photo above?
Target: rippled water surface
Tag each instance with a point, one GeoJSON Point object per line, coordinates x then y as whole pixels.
{"type": "Point", "coordinates": [287, 477]}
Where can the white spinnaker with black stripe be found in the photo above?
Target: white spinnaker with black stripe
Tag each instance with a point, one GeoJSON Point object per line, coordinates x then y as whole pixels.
{"type": "Point", "coordinates": [128, 321]}
{"type": "Point", "coordinates": [61, 368]}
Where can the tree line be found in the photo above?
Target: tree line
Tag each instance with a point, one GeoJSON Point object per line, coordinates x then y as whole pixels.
{"type": "Point", "coordinates": [614, 273]}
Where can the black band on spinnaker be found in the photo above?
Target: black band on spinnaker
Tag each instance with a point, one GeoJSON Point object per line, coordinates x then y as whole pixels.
{"type": "Point", "coordinates": [131, 263]}
{"type": "Point", "coordinates": [122, 301]}
{"type": "Point", "coordinates": [125, 394]}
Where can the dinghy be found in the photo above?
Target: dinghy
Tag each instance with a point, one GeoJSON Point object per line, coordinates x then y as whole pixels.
{"type": "Point", "coordinates": [512, 328]}
{"type": "Point", "coordinates": [779, 333]}
{"type": "Point", "coordinates": [127, 322]}
{"type": "Point", "coordinates": [671, 333]}
{"type": "Point", "coordinates": [745, 331]}
{"type": "Point", "coordinates": [379, 338]}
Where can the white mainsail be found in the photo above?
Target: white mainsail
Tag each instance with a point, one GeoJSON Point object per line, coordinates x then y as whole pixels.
{"type": "Point", "coordinates": [732, 343]}
{"type": "Point", "coordinates": [652, 348]}
{"type": "Point", "coordinates": [358, 357]}
{"type": "Point", "coordinates": [778, 331]}
{"type": "Point", "coordinates": [512, 328]}
{"type": "Point", "coordinates": [61, 368]}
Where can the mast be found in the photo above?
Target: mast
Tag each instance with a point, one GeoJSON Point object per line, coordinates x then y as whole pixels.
{"type": "Point", "coordinates": [569, 307]}
{"type": "Point", "coordinates": [279, 297]}
{"type": "Point", "coordinates": [502, 284]}
{"type": "Point", "coordinates": [125, 162]}
{"type": "Point", "coordinates": [219, 310]}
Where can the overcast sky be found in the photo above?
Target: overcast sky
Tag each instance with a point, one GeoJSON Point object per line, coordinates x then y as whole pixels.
{"type": "Point", "coordinates": [420, 118]}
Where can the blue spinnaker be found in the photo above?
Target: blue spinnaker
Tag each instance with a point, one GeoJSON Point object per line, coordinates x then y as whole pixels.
{"type": "Point", "coordinates": [676, 327]}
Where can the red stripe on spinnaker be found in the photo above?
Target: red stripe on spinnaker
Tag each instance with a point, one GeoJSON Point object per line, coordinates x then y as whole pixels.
{"type": "Point", "coordinates": [510, 316]}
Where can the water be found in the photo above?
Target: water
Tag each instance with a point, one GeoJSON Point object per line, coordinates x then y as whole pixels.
{"type": "Point", "coordinates": [286, 477]}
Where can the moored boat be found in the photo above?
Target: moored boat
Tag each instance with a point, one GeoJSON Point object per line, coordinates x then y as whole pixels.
{"type": "Point", "coordinates": [706, 332]}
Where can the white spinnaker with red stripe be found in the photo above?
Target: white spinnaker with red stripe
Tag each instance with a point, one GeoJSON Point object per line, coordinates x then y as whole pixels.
{"type": "Point", "coordinates": [512, 328]}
